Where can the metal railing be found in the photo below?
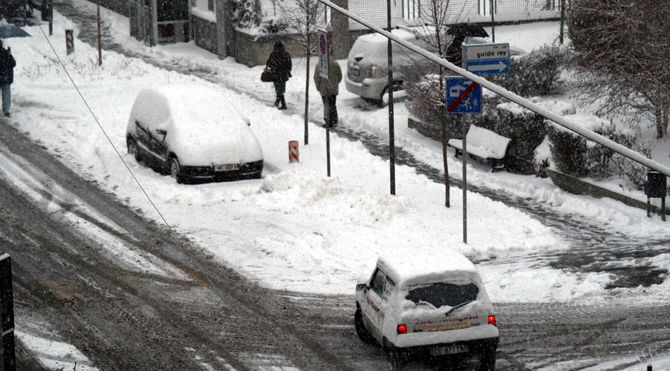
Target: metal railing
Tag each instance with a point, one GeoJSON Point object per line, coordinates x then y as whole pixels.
{"type": "Point", "coordinates": [560, 120]}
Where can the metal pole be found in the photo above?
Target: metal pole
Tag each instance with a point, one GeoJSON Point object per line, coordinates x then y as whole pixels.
{"type": "Point", "coordinates": [51, 18]}
{"type": "Point", "coordinates": [8, 361]}
{"type": "Point", "coordinates": [493, 21]}
{"type": "Point", "coordinates": [390, 93]}
{"type": "Point", "coordinates": [558, 119]}
{"type": "Point", "coordinates": [464, 132]}
{"type": "Point", "coordinates": [562, 20]}
{"type": "Point", "coordinates": [99, 38]}
{"type": "Point", "coordinates": [328, 148]}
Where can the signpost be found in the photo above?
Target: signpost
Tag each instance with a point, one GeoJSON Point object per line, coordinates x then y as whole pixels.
{"type": "Point", "coordinates": [462, 95]}
{"type": "Point", "coordinates": [486, 59]}
{"type": "Point", "coordinates": [7, 313]}
{"type": "Point", "coordinates": [465, 96]}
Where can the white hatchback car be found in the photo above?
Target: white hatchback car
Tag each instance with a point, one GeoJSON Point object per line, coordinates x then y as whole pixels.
{"type": "Point", "coordinates": [192, 132]}
{"type": "Point", "coordinates": [423, 306]}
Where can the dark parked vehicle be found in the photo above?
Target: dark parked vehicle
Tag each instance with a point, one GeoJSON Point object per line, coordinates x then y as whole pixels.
{"type": "Point", "coordinates": [191, 133]}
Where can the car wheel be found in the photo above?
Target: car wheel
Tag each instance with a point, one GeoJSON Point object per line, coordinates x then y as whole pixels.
{"type": "Point", "coordinates": [175, 170]}
{"type": "Point", "coordinates": [361, 331]}
{"type": "Point", "coordinates": [487, 360]}
{"type": "Point", "coordinates": [397, 86]}
{"type": "Point", "coordinates": [132, 149]}
{"type": "Point", "coordinates": [396, 359]}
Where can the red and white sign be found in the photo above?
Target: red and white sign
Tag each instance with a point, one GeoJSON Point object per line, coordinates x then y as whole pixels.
{"type": "Point", "coordinates": [293, 153]}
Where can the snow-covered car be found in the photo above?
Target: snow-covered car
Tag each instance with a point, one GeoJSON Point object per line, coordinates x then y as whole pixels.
{"type": "Point", "coordinates": [192, 132]}
{"type": "Point", "coordinates": [427, 306]}
{"type": "Point", "coordinates": [367, 64]}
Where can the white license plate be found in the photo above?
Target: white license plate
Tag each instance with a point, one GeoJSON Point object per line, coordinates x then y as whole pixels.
{"type": "Point", "coordinates": [227, 167]}
{"type": "Point", "coordinates": [440, 350]}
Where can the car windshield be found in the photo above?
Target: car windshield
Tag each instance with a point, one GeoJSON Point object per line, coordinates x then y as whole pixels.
{"type": "Point", "coordinates": [440, 294]}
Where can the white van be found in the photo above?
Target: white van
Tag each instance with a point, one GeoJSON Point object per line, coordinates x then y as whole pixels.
{"type": "Point", "coordinates": [426, 305]}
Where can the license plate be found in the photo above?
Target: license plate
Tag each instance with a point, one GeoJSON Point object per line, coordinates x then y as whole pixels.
{"type": "Point", "coordinates": [440, 350]}
{"type": "Point", "coordinates": [227, 167]}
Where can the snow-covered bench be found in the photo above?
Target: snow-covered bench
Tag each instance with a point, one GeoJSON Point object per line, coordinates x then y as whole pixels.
{"type": "Point", "coordinates": [485, 144]}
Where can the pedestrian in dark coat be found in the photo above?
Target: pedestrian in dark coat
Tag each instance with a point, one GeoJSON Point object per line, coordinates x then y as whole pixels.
{"type": "Point", "coordinates": [279, 63]}
{"type": "Point", "coordinates": [7, 64]}
{"type": "Point", "coordinates": [329, 88]}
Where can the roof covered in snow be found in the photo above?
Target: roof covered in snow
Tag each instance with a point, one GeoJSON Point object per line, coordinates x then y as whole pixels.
{"type": "Point", "coordinates": [426, 267]}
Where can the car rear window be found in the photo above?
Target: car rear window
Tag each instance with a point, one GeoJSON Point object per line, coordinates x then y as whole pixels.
{"type": "Point", "coordinates": [440, 294]}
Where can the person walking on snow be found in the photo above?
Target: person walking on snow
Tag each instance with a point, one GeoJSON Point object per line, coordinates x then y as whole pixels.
{"type": "Point", "coordinates": [7, 64]}
{"type": "Point", "coordinates": [329, 88]}
{"type": "Point", "coordinates": [279, 63]}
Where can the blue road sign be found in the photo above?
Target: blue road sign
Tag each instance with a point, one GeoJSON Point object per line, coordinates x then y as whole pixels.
{"type": "Point", "coordinates": [463, 95]}
{"type": "Point", "coordinates": [486, 59]}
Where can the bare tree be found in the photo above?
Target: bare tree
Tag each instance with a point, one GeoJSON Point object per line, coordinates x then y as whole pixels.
{"type": "Point", "coordinates": [437, 14]}
{"type": "Point", "coordinates": [623, 48]}
{"type": "Point", "coordinates": [303, 18]}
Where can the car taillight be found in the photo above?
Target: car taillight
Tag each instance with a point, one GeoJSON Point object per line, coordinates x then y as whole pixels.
{"type": "Point", "coordinates": [402, 329]}
{"type": "Point", "coordinates": [492, 320]}
{"type": "Point", "coordinates": [372, 70]}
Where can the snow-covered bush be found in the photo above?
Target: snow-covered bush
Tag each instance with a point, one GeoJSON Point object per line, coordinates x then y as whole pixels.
{"type": "Point", "coordinates": [575, 155]}
{"type": "Point", "coordinates": [536, 73]}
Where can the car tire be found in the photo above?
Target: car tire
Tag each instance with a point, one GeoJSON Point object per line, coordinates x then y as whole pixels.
{"type": "Point", "coordinates": [361, 331]}
{"type": "Point", "coordinates": [175, 169]}
{"type": "Point", "coordinates": [396, 359]}
{"type": "Point", "coordinates": [132, 149]}
{"type": "Point", "coordinates": [487, 359]}
{"type": "Point", "coordinates": [397, 86]}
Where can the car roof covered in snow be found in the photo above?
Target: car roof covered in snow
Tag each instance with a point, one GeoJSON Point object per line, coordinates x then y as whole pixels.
{"type": "Point", "coordinates": [182, 104]}
{"type": "Point", "coordinates": [423, 267]}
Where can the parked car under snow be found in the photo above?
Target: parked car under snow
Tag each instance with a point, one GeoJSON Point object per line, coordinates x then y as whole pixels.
{"type": "Point", "coordinates": [427, 306]}
{"type": "Point", "coordinates": [192, 133]}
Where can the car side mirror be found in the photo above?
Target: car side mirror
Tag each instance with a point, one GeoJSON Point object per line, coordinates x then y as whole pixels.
{"type": "Point", "coordinates": [362, 287]}
{"type": "Point", "coordinates": [161, 132]}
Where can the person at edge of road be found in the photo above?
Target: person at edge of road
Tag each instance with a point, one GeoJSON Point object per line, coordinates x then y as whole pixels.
{"type": "Point", "coordinates": [279, 63]}
{"type": "Point", "coordinates": [329, 88]}
{"type": "Point", "coordinates": [7, 64]}
{"type": "Point", "coordinates": [454, 52]}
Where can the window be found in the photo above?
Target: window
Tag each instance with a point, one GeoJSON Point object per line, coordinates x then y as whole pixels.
{"type": "Point", "coordinates": [440, 294]}
{"type": "Point", "coordinates": [388, 288]}
{"type": "Point", "coordinates": [378, 280]}
{"type": "Point", "coordinates": [210, 5]}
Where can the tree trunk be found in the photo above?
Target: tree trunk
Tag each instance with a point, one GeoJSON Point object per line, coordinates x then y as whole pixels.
{"type": "Point", "coordinates": [660, 129]}
{"type": "Point", "coordinates": [666, 112]}
{"type": "Point", "coordinates": [445, 139]}
{"type": "Point", "coordinates": [307, 92]}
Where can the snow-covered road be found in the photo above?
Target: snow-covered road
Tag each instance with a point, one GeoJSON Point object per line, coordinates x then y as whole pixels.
{"type": "Point", "coordinates": [571, 254]}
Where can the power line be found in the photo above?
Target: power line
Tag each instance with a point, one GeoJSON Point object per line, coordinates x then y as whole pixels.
{"type": "Point", "coordinates": [105, 133]}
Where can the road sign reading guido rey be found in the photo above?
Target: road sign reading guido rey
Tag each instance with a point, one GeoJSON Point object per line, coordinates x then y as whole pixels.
{"type": "Point", "coordinates": [323, 53]}
{"type": "Point", "coordinates": [463, 95]}
{"type": "Point", "coordinates": [486, 59]}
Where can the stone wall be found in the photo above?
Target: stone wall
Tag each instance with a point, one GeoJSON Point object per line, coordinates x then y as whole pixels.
{"type": "Point", "coordinates": [577, 186]}
{"type": "Point", "coordinates": [204, 33]}
{"type": "Point", "coordinates": [254, 51]}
